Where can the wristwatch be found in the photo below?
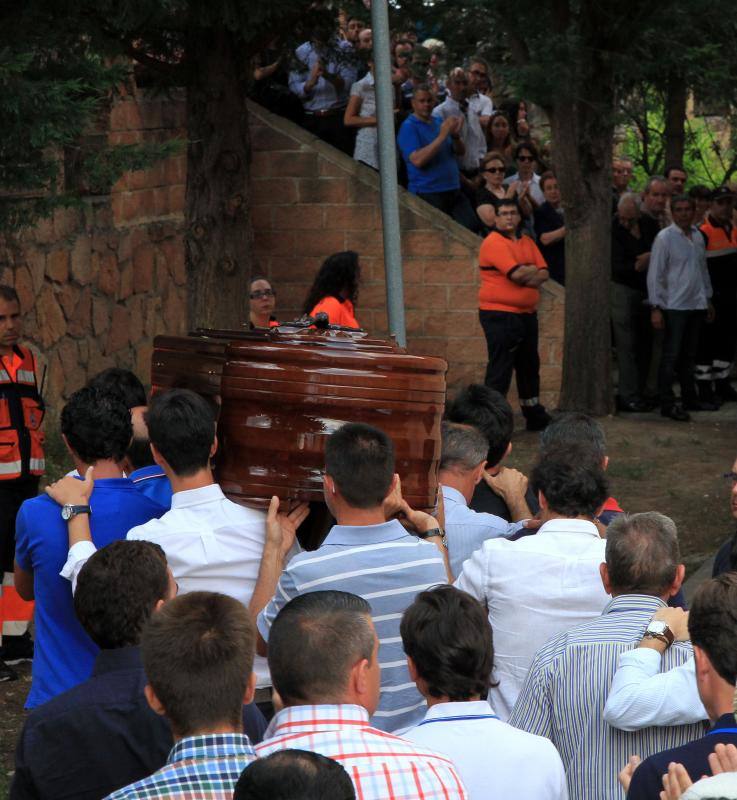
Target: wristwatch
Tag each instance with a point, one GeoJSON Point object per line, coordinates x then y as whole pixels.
{"type": "Point", "coordinates": [68, 511]}
{"type": "Point", "coordinates": [657, 629]}
{"type": "Point", "coordinates": [435, 532]}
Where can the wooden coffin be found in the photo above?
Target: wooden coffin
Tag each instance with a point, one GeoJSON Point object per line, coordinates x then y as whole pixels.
{"type": "Point", "coordinates": [282, 392]}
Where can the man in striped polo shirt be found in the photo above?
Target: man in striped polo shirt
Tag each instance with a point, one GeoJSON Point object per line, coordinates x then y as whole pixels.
{"type": "Point", "coordinates": [363, 554]}
{"type": "Point", "coordinates": [568, 683]}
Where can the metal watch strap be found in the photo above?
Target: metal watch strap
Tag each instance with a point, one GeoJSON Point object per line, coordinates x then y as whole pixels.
{"type": "Point", "coordinates": [431, 532]}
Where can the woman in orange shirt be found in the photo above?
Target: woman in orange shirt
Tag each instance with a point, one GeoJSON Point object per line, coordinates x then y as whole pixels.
{"type": "Point", "coordinates": [335, 289]}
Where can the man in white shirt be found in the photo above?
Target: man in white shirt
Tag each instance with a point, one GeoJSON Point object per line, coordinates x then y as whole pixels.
{"type": "Point", "coordinates": [495, 760]}
{"type": "Point", "coordinates": [541, 585]}
{"type": "Point", "coordinates": [463, 451]}
{"type": "Point", "coordinates": [478, 73]}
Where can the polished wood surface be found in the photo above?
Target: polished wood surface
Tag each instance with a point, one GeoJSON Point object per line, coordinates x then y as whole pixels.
{"type": "Point", "coordinates": [283, 392]}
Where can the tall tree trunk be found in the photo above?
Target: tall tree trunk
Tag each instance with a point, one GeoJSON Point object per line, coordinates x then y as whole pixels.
{"type": "Point", "coordinates": [218, 230]}
{"type": "Point", "coordinates": [675, 118]}
{"type": "Point", "coordinates": [583, 131]}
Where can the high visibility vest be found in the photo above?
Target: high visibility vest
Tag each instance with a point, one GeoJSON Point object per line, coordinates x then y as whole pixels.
{"type": "Point", "coordinates": [719, 241]}
{"type": "Point", "coordinates": [21, 415]}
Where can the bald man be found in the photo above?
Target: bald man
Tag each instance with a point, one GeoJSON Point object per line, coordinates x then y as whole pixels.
{"type": "Point", "coordinates": [139, 464]}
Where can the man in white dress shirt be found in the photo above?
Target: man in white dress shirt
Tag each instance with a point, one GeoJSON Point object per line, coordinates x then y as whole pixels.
{"type": "Point", "coordinates": [544, 584]}
{"type": "Point", "coordinates": [448, 642]}
{"type": "Point", "coordinates": [463, 453]}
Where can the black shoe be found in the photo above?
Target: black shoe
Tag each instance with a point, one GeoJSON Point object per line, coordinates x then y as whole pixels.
{"type": "Point", "coordinates": [16, 649]}
{"type": "Point", "coordinates": [675, 412]}
{"type": "Point", "coordinates": [703, 405]}
{"type": "Point", "coordinates": [633, 406]}
{"type": "Point", "coordinates": [7, 673]}
{"type": "Point", "coordinates": [538, 421]}
{"type": "Point", "coordinates": [707, 394]}
{"type": "Point", "coordinates": [725, 391]}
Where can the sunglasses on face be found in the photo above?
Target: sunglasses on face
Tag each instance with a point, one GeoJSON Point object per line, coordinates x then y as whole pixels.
{"type": "Point", "coordinates": [494, 170]}
{"type": "Point", "coordinates": [731, 477]}
{"type": "Point", "coordinates": [261, 293]}
{"type": "Point", "coordinates": [525, 158]}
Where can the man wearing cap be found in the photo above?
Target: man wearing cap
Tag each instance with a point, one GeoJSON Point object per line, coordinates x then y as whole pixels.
{"type": "Point", "coordinates": [716, 353]}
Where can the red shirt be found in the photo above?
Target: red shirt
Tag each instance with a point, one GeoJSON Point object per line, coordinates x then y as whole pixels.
{"type": "Point", "coordinates": [498, 257]}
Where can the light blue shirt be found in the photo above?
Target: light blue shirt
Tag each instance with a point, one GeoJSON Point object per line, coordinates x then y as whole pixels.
{"type": "Point", "coordinates": [387, 567]}
{"type": "Point", "coordinates": [466, 530]}
{"type": "Point", "coordinates": [564, 694]}
{"type": "Point", "coordinates": [678, 278]}
{"type": "Point", "coordinates": [336, 59]}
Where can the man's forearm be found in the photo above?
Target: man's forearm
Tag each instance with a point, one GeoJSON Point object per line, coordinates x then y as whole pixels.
{"type": "Point", "coordinates": [518, 508]}
{"type": "Point", "coordinates": [78, 529]}
{"type": "Point", "coordinates": [269, 572]}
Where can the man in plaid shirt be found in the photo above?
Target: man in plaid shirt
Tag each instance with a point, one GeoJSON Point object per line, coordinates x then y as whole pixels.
{"type": "Point", "coordinates": [323, 657]}
{"type": "Point", "coordinates": [198, 652]}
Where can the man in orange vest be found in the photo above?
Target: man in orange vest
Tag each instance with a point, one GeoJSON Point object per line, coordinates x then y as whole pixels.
{"type": "Point", "coordinates": [21, 466]}
{"type": "Point", "coordinates": [719, 339]}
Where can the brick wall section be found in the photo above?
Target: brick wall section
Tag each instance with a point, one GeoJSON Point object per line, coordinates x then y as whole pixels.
{"type": "Point", "coordinates": [310, 200]}
{"type": "Point", "coordinates": [99, 282]}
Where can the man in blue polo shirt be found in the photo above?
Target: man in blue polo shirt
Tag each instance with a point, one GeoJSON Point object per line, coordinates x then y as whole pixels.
{"type": "Point", "coordinates": [97, 429]}
{"type": "Point", "coordinates": [363, 554]}
{"type": "Point", "coordinates": [429, 147]}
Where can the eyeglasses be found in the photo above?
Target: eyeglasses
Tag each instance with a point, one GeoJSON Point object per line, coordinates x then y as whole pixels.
{"type": "Point", "coordinates": [507, 213]}
{"type": "Point", "coordinates": [525, 158]}
{"type": "Point", "coordinates": [731, 477]}
{"type": "Point", "coordinates": [261, 293]}
{"type": "Point", "coordinates": [494, 170]}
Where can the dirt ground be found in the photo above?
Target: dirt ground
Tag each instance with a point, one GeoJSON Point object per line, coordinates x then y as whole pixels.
{"type": "Point", "coordinates": [655, 464]}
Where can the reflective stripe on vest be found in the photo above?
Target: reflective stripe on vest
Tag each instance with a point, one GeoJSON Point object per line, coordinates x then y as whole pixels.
{"type": "Point", "coordinates": [4, 377]}
{"type": "Point", "coordinates": [10, 467]}
{"type": "Point", "coordinates": [25, 376]}
{"type": "Point", "coordinates": [37, 465]}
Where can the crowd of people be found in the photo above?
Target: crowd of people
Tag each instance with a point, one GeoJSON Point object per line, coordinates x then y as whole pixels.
{"type": "Point", "coordinates": [473, 153]}
{"type": "Point", "coordinates": [528, 637]}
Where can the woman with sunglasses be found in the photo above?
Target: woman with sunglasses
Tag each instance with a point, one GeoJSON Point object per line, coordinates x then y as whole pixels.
{"type": "Point", "coordinates": [262, 301]}
{"type": "Point", "coordinates": [491, 169]}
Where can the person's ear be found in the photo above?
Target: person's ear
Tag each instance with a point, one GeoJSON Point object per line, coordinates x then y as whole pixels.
{"type": "Point", "coordinates": [250, 689]}
{"type": "Point", "coordinates": [678, 580]}
{"type": "Point", "coordinates": [214, 446]}
{"type": "Point", "coordinates": [158, 604]}
{"type": "Point", "coordinates": [542, 502]}
{"type": "Point", "coordinates": [153, 701]}
{"type": "Point", "coordinates": [478, 473]}
{"type": "Point", "coordinates": [506, 452]}
{"type": "Point", "coordinates": [68, 446]}
{"type": "Point", "coordinates": [157, 457]}
{"type": "Point", "coordinates": [605, 463]}
{"type": "Point", "coordinates": [328, 484]}
{"type": "Point", "coordinates": [605, 580]}
{"type": "Point", "coordinates": [360, 677]}
{"type": "Point", "coordinates": [412, 669]}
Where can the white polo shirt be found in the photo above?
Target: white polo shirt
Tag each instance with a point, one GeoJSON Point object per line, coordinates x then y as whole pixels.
{"type": "Point", "coordinates": [534, 588]}
{"type": "Point", "coordinates": [495, 760]}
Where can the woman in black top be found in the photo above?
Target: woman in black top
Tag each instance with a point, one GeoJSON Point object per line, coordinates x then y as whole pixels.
{"type": "Point", "coordinates": [550, 228]}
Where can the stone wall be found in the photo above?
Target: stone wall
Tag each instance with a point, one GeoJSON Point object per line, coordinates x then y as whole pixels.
{"type": "Point", "coordinates": [309, 200]}
{"type": "Point", "coordinates": [99, 281]}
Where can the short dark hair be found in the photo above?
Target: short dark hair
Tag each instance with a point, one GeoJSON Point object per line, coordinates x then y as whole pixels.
{"type": "Point", "coordinates": [294, 775]}
{"type": "Point", "coordinates": [545, 177]}
{"type": "Point", "coordinates": [97, 425]}
{"type": "Point", "coordinates": [712, 623]}
{"type": "Point", "coordinates": [117, 590]}
{"type": "Point", "coordinates": [642, 553]}
{"type": "Point", "coordinates": [526, 145]}
{"type": "Point", "coordinates": [314, 642]}
{"type": "Point", "coordinates": [120, 382]}
{"type": "Point", "coordinates": [8, 294]}
{"type": "Point", "coordinates": [674, 168]}
{"type": "Point", "coordinates": [139, 453]}
{"type": "Point", "coordinates": [682, 198]}
{"type": "Point", "coordinates": [198, 654]}
{"type": "Point", "coordinates": [181, 426]}
{"type": "Point", "coordinates": [360, 459]}
{"type": "Point", "coordinates": [446, 632]}
{"type": "Point", "coordinates": [700, 192]}
{"type": "Point", "coordinates": [487, 410]}
{"type": "Point", "coordinates": [574, 428]}
{"type": "Point", "coordinates": [461, 446]}
{"type": "Point", "coordinates": [508, 201]}
{"type": "Point", "coordinates": [571, 480]}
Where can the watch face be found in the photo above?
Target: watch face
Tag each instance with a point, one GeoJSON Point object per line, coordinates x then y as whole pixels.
{"type": "Point", "coordinates": [657, 626]}
{"type": "Point", "coordinates": [66, 512]}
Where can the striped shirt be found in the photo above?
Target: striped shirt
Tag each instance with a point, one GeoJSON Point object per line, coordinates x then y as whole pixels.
{"type": "Point", "coordinates": [387, 567]}
{"type": "Point", "coordinates": [466, 530]}
{"type": "Point", "coordinates": [198, 768]}
{"type": "Point", "coordinates": [564, 694]}
{"type": "Point", "coordinates": [381, 765]}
